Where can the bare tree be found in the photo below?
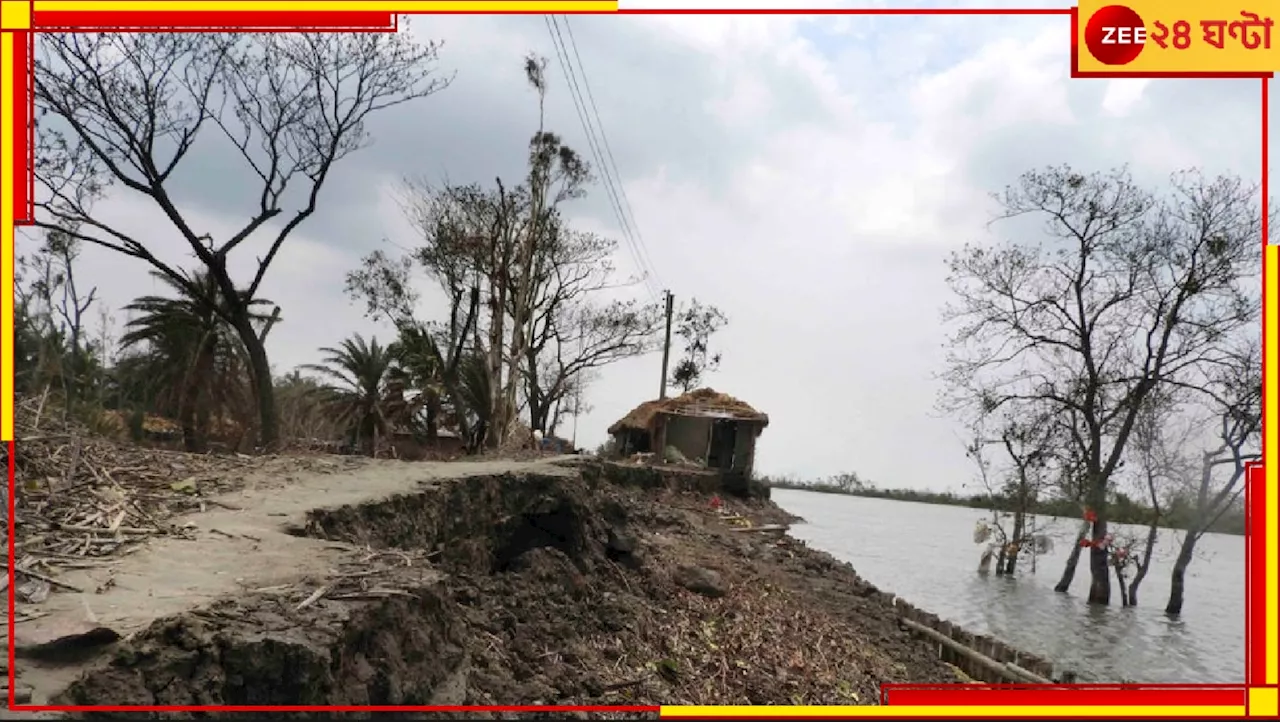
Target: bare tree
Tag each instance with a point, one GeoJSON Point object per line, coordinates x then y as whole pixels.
{"type": "Point", "coordinates": [556, 174]}
{"type": "Point", "coordinates": [572, 334]}
{"type": "Point", "coordinates": [1236, 397]}
{"type": "Point", "coordinates": [1127, 291]}
{"type": "Point", "coordinates": [541, 328]}
{"type": "Point", "coordinates": [72, 305]}
{"type": "Point", "coordinates": [125, 110]}
{"type": "Point", "coordinates": [52, 272]}
{"type": "Point", "coordinates": [695, 325]}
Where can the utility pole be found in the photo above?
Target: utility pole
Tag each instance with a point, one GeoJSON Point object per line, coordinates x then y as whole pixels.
{"type": "Point", "coordinates": [666, 348]}
{"type": "Point", "coordinates": [577, 404]}
{"type": "Point", "coordinates": [577, 407]}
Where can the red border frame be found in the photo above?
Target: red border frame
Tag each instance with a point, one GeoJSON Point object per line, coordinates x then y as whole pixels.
{"type": "Point", "coordinates": [923, 695]}
{"type": "Point", "coordinates": [24, 131]}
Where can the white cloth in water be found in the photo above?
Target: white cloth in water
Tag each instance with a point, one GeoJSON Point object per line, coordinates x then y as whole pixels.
{"type": "Point", "coordinates": [981, 532]}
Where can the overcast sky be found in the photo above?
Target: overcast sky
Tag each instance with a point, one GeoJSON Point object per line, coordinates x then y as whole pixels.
{"type": "Point", "coordinates": [808, 175]}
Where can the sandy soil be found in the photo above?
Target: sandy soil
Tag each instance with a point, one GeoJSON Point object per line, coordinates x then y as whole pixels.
{"type": "Point", "coordinates": [493, 582]}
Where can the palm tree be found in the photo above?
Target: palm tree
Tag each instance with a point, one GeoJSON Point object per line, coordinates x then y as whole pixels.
{"type": "Point", "coordinates": [199, 359]}
{"type": "Point", "coordinates": [459, 391]}
{"type": "Point", "coordinates": [475, 394]}
{"type": "Point", "coordinates": [363, 387]}
{"type": "Point", "coordinates": [420, 366]}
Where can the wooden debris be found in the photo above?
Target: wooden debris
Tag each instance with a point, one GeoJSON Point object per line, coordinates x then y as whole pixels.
{"type": "Point", "coordinates": [376, 594]}
{"type": "Point", "coordinates": [765, 527]}
{"type": "Point", "coordinates": [49, 580]}
{"type": "Point", "coordinates": [83, 499]}
{"type": "Point", "coordinates": [315, 597]}
{"type": "Point", "coordinates": [32, 592]}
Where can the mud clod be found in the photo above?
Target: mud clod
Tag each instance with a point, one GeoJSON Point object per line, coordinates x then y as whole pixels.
{"type": "Point", "coordinates": [700, 581]}
{"type": "Point", "coordinates": [71, 649]}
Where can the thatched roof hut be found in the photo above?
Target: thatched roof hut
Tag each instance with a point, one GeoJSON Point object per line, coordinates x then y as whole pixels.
{"type": "Point", "coordinates": [706, 403]}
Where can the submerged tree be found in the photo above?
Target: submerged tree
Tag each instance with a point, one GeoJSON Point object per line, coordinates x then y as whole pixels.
{"type": "Point", "coordinates": [123, 111]}
{"type": "Point", "coordinates": [1026, 440]}
{"type": "Point", "coordinates": [1153, 449]}
{"type": "Point", "coordinates": [1235, 397]}
{"type": "Point", "coordinates": [1127, 291]}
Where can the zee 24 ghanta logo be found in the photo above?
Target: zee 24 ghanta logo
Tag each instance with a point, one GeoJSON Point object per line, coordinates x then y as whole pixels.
{"type": "Point", "coordinates": [1116, 34]}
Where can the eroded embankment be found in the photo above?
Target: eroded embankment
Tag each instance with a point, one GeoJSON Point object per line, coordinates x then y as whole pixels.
{"type": "Point", "coordinates": [538, 590]}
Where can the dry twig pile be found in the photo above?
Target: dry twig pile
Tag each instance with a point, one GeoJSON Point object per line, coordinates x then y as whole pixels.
{"type": "Point", "coordinates": [81, 499]}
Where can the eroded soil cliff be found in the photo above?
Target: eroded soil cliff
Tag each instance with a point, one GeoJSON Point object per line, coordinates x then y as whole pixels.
{"type": "Point", "coordinates": [539, 585]}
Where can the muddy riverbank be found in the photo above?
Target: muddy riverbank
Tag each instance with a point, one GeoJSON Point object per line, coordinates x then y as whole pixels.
{"type": "Point", "coordinates": [478, 584]}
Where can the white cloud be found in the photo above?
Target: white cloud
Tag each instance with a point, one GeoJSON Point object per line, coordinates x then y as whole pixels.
{"type": "Point", "coordinates": [1123, 94]}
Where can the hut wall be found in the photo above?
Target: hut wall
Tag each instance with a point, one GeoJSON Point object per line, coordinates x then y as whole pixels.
{"type": "Point", "coordinates": [630, 441]}
{"type": "Point", "coordinates": [744, 450]}
{"type": "Point", "coordinates": [690, 435]}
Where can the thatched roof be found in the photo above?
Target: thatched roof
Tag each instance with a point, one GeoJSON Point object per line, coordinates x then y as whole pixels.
{"type": "Point", "coordinates": [700, 402]}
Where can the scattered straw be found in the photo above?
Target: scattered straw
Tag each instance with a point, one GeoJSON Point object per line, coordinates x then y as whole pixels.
{"type": "Point", "coordinates": [699, 402]}
{"type": "Point", "coordinates": [83, 499]}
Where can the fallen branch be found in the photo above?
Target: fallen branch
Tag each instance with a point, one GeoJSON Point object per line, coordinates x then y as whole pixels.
{"type": "Point", "coordinates": [49, 580]}
{"type": "Point", "coordinates": [375, 594]}
{"type": "Point", "coordinates": [619, 686]}
{"type": "Point", "coordinates": [312, 599]}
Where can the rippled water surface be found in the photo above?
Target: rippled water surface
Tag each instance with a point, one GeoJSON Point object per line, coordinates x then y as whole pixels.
{"type": "Point", "coordinates": [925, 554]}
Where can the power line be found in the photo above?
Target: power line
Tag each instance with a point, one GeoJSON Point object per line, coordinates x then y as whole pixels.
{"type": "Point", "coordinates": [608, 150]}
{"type": "Point", "coordinates": [575, 93]}
{"type": "Point", "coordinates": [598, 148]}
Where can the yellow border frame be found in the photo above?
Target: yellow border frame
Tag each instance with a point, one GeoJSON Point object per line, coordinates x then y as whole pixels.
{"type": "Point", "coordinates": [7, 228]}
{"type": "Point", "coordinates": [15, 15]}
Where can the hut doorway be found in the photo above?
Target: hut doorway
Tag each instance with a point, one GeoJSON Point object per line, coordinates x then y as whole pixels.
{"type": "Point", "coordinates": [724, 439]}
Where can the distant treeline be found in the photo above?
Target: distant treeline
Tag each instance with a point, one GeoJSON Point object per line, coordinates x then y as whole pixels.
{"type": "Point", "coordinates": [1122, 510]}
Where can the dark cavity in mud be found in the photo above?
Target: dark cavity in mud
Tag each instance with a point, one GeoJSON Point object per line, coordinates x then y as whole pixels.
{"type": "Point", "coordinates": [407, 650]}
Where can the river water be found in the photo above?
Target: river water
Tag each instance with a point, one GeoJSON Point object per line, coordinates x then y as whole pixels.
{"type": "Point", "coordinates": [925, 554]}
